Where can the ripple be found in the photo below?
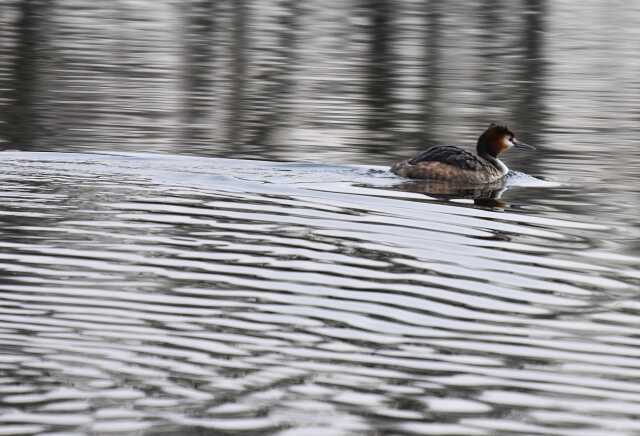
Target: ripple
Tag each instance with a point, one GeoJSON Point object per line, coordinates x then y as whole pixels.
{"type": "Point", "coordinates": [286, 302]}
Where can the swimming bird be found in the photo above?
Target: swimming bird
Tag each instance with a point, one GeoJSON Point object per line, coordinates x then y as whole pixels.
{"type": "Point", "coordinates": [454, 165]}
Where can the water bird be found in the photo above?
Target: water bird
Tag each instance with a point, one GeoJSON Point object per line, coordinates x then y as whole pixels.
{"type": "Point", "coordinates": [447, 163]}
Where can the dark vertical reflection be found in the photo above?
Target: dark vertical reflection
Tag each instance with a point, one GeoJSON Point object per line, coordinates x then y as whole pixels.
{"type": "Point", "coordinates": [22, 126]}
{"type": "Point", "coordinates": [490, 23]}
{"type": "Point", "coordinates": [529, 111]}
{"type": "Point", "coordinates": [6, 63]}
{"type": "Point", "coordinates": [380, 75]}
{"type": "Point", "coordinates": [278, 79]}
{"type": "Point", "coordinates": [432, 70]}
{"type": "Point", "coordinates": [199, 52]}
{"type": "Point", "coordinates": [239, 74]}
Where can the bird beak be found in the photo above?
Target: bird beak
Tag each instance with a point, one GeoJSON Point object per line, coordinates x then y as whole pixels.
{"type": "Point", "coordinates": [522, 145]}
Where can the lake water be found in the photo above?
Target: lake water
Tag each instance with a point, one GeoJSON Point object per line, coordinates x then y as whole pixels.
{"type": "Point", "coordinates": [199, 234]}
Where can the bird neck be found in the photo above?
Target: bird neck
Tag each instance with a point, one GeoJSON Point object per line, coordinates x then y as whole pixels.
{"type": "Point", "coordinates": [494, 161]}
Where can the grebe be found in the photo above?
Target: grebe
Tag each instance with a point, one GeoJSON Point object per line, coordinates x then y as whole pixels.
{"type": "Point", "coordinates": [451, 164]}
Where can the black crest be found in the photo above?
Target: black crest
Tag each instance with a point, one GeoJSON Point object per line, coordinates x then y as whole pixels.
{"type": "Point", "coordinates": [499, 129]}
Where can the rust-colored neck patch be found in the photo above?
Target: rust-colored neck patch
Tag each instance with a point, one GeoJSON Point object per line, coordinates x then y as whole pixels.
{"type": "Point", "coordinates": [494, 140]}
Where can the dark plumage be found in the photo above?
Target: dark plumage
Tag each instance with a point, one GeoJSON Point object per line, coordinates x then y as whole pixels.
{"type": "Point", "coordinates": [449, 154]}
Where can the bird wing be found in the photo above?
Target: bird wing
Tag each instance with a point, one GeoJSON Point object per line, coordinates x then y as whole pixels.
{"type": "Point", "coordinates": [449, 155]}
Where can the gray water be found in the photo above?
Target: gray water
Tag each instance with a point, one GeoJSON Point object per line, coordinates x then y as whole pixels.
{"type": "Point", "coordinates": [199, 234]}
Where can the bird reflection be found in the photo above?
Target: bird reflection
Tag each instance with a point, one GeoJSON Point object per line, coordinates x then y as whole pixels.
{"type": "Point", "coordinates": [486, 195]}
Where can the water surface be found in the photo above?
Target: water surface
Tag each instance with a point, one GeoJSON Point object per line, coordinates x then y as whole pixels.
{"type": "Point", "coordinates": [166, 294]}
{"type": "Point", "coordinates": [199, 234]}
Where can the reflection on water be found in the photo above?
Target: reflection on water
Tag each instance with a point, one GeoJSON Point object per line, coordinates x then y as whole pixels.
{"type": "Point", "coordinates": [164, 294]}
{"type": "Point", "coordinates": [444, 190]}
{"type": "Point", "coordinates": [487, 195]}
{"type": "Point", "coordinates": [315, 80]}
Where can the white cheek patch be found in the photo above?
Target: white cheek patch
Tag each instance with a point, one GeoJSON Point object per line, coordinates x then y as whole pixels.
{"type": "Point", "coordinates": [508, 143]}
